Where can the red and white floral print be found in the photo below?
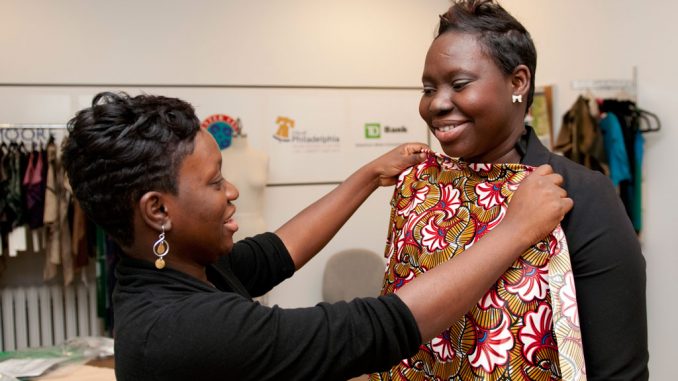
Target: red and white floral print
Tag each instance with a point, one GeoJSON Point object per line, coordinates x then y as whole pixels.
{"type": "Point", "coordinates": [442, 347]}
{"type": "Point", "coordinates": [417, 198]}
{"type": "Point", "coordinates": [440, 209]}
{"type": "Point", "coordinates": [480, 167]}
{"type": "Point", "coordinates": [450, 200]}
{"type": "Point", "coordinates": [484, 228]}
{"type": "Point", "coordinates": [405, 237]}
{"type": "Point", "coordinates": [433, 236]}
{"type": "Point", "coordinates": [402, 176]}
{"type": "Point", "coordinates": [492, 346]}
{"type": "Point", "coordinates": [537, 332]}
{"type": "Point", "coordinates": [533, 284]}
{"type": "Point", "coordinates": [489, 194]}
{"type": "Point", "coordinates": [491, 300]}
{"type": "Point", "coordinates": [569, 299]}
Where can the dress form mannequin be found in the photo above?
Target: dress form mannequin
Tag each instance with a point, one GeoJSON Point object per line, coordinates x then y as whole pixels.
{"type": "Point", "coordinates": [247, 169]}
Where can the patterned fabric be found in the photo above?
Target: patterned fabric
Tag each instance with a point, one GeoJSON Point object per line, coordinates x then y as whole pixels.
{"type": "Point", "coordinates": [526, 327]}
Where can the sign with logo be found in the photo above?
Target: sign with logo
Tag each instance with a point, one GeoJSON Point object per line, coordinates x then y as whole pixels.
{"type": "Point", "coordinates": [372, 130]}
{"type": "Point", "coordinates": [285, 125]}
{"type": "Point", "coordinates": [222, 127]}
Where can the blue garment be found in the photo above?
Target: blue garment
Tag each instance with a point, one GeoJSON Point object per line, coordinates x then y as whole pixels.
{"type": "Point", "coordinates": [615, 150]}
{"type": "Point", "coordinates": [636, 207]}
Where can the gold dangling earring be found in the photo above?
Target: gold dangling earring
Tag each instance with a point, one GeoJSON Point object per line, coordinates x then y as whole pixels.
{"type": "Point", "coordinates": [160, 249]}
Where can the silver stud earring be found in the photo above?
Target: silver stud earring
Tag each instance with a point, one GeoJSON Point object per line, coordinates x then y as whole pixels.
{"type": "Point", "coordinates": [160, 249]}
{"type": "Point", "coordinates": [517, 98]}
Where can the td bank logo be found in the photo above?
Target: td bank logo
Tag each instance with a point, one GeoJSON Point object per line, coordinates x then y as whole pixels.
{"type": "Point", "coordinates": [372, 130]}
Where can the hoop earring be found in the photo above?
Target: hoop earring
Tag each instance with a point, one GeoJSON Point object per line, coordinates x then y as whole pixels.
{"type": "Point", "coordinates": [160, 249]}
{"type": "Point", "coordinates": [517, 98]}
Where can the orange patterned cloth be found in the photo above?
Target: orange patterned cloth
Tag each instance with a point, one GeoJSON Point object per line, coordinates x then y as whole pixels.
{"type": "Point", "coordinates": [526, 327]}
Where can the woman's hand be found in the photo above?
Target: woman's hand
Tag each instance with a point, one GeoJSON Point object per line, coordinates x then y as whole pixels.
{"type": "Point", "coordinates": [538, 205]}
{"type": "Point", "coordinates": [310, 230]}
{"type": "Point", "coordinates": [389, 165]}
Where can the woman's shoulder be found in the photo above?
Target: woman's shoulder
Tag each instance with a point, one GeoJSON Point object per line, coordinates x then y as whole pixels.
{"type": "Point", "coordinates": [580, 181]}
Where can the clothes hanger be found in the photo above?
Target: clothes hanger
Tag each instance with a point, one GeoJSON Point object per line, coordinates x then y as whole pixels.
{"type": "Point", "coordinates": [647, 121]}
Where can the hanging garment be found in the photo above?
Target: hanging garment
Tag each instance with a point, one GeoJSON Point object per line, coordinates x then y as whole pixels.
{"type": "Point", "coordinates": [14, 211]}
{"type": "Point", "coordinates": [34, 192]}
{"type": "Point", "coordinates": [615, 149]}
{"type": "Point", "coordinates": [636, 204]}
{"type": "Point", "coordinates": [79, 243]}
{"type": "Point", "coordinates": [4, 186]}
{"type": "Point", "coordinates": [629, 191]}
{"type": "Point", "coordinates": [58, 234]}
{"type": "Point", "coordinates": [580, 139]}
{"type": "Point", "coordinates": [527, 324]}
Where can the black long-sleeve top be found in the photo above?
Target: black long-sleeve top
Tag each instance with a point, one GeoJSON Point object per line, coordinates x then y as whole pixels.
{"type": "Point", "coordinates": [171, 326]}
{"type": "Point", "coordinates": [608, 268]}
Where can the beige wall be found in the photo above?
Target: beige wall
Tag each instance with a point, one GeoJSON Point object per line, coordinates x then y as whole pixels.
{"type": "Point", "coordinates": [365, 43]}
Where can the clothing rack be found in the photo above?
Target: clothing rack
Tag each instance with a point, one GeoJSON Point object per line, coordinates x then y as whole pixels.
{"type": "Point", "coordinates": [630, 86]}
{"type": "Point", "coordinates": [31, 132]}
{"type": "Point", "coordinates": [32, 125]}
{"type": "Point", "coordinates": [648, 121]}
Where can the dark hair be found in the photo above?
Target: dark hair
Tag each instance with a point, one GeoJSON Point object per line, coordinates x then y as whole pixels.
{"type": "Point", "coordinates": [123, 147]}
{"type": "Point", "coordinates": [502, 37]}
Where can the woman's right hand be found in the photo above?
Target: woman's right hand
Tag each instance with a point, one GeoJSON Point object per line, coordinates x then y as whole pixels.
{"type": "Point", "coordinates": [538, 205]}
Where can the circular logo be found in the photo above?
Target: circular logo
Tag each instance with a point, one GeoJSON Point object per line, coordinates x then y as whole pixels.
{"type": "Point", "coordinates": [222, 127]}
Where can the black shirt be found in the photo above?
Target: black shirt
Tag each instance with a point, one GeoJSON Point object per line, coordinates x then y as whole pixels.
{"type": "Point", "coordinates": [171, 326]}
{"type": "Point", "coordinates": [608, 268]}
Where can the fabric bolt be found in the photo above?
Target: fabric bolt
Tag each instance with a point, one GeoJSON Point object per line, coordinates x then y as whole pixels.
{"type": "Point", "coordinates": [615, 149]}
{"type": "Point", "coordinates": [527, 323]}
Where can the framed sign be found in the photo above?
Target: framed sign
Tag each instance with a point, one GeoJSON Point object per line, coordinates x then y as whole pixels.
{"type": "Point", "coordinates": [540, 115]}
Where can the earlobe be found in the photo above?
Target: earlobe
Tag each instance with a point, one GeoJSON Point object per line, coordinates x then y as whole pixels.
{"type": "Point", "coordinates": [521, 79]}
{"type": "Point", "coordinates": [154, 211]}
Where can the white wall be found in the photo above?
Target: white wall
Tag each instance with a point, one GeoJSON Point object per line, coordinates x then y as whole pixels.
{"type": "Point", "coordinates": [362, 43]}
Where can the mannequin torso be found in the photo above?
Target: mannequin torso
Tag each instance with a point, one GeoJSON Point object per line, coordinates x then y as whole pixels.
{"type": "Point", "coordinates": [247, 169]}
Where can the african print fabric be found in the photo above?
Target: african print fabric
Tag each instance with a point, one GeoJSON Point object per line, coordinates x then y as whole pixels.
{"type": "Point", "coordinates": [526, 327]}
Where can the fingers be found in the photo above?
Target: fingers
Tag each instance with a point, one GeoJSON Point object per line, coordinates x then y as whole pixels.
{"type": "Point", "coordinates": [414, 153]}
{"type": "Point", "coordinates": [567, 204]}
{"type": "Point", "coordinates": [543, 169]}
{"type": "Point", "coordinates": [539, 204]}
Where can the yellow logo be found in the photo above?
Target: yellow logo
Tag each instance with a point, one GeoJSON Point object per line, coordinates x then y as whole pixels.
{"type": "Point", "coordinates": [284, 125]}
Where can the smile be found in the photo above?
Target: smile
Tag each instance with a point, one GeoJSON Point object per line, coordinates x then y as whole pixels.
{"type": "Point", "coordinates": [446, 128]}
{"type": "Point", "coordinates": [446, 125]}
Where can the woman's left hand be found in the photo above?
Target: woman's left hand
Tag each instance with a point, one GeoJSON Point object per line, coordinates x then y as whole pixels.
{"type": "Point", "coordinates": [391, 164]}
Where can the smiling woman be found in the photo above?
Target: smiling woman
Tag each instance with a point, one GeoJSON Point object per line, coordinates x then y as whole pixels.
{"type": "Point", "coordinates": [144, 170]}
{"type": "Point", "coordinates": [478, 84]}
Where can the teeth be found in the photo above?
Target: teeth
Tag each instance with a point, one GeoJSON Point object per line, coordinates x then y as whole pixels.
{"type": "Point", "coordinates": [446, 128]}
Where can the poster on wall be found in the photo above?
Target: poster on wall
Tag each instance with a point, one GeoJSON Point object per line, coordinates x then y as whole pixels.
{"type": "Point", "coordinates": [540, 115]}
{"type": "Point", "coordinates": [311, 135]}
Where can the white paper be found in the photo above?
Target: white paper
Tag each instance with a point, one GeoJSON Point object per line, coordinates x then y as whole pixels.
{"type": "Point", "coordinates": [28, 367]}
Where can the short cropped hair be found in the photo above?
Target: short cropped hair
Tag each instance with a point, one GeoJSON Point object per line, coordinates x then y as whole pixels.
{"type": "Point", "coordinates": [502, 37]}
{"type": "Point", "coordinates": [122, 147]}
